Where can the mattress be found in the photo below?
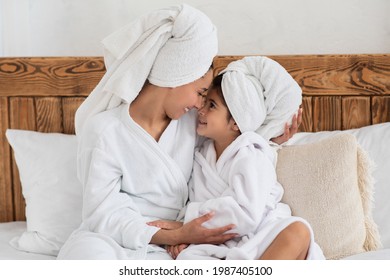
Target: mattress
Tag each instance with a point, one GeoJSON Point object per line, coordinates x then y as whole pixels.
{"type": "Point", "coordinates": [7, 232]}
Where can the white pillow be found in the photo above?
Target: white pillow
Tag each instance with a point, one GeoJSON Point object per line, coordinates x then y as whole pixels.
{"type": "Point", "coordinates": [53, 194]}
{"type": "Point", "coordinates": [375, 140]}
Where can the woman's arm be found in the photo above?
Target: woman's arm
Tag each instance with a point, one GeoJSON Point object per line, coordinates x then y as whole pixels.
{"type": "Point", "coordinates": [106, 209]}
{"type": "Point", "coordinates": [192, 233]}
{"type": "Point", "coordinates": [289, 131]}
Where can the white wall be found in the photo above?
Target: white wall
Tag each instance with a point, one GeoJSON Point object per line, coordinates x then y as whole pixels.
{"type": "Point", "coordinates": [75, 27]}
{"type": "Point", "coordinates": [1, 28]}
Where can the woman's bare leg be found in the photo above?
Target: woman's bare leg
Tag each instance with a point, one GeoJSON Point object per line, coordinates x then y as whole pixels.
{"type": "Point", "coordinates": [292, 243]}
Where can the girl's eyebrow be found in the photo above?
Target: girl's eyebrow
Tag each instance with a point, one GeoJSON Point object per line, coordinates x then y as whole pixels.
{"type": "Point", "coordinates": [213, 101]}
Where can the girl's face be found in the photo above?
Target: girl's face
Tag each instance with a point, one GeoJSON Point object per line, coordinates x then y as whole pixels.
{"type": "Point", "coordinates": [214, 121]}
{"type": "Point", "coordinates": [184, 98]}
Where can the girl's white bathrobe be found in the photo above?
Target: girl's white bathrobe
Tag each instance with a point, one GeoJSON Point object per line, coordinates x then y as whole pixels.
{"type": "Point", "coordinates": [129, 179]}
{"type": "Point", "coordinates": [241, 187]}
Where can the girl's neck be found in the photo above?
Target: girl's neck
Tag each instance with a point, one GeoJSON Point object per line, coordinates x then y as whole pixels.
{"type": "Point", "coordinates": [221, 145]}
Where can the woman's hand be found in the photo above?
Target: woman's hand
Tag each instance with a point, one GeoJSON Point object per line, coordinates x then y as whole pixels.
{"type": "Point", "coordinates": [192, 233]}
{"type": "Point", "coordinates": [166, 224]}
{"type": "Point", "coordinates": [289, 131]}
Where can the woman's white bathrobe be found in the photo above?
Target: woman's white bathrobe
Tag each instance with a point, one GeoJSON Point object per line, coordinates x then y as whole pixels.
{"type": "Point", "coordinates": [241, 187]}
{"type": "Point", "coordinates": [129, 179]}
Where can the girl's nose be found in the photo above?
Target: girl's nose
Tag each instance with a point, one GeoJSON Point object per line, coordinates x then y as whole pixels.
{"type": "Point", "coordinates": [201, 111]}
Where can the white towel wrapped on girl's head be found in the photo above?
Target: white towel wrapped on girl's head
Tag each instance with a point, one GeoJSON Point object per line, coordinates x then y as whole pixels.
{"type": "Point", "coordinates": [169, 47]}
{"type": "Point", "coordinates": [261, 95]}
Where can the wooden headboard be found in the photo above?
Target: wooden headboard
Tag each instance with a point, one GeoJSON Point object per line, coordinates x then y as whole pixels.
{"type": "Point", "coordinates": [42, 94]}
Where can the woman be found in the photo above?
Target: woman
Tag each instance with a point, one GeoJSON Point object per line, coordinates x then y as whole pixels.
{"type": "Point", "coordinates": [137, 136]}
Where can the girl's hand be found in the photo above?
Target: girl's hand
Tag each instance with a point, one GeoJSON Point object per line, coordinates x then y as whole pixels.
{"type": "Point", "coordinates": [174, 250]}
{"type": "Point", "coordinates": [289, 131]}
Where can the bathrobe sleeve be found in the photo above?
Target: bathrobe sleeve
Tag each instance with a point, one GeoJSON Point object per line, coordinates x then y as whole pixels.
{"type": "Point", "coordinates": [106, 209]}
{"type": "Point", "coordinates": [244, 202]}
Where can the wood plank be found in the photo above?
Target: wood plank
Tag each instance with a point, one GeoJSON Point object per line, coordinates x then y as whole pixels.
{"type": "Point", "coordinates": [316, 74]}
{"type": "Point", "coordinates": [355, 112]}
{"type": "Point", "coordinates": [380, 109]}
{"type": "Point", "coordinates": [333, 74]}
{"type": "Point", "coordinates": [22, 116]}
{"type": "Point", "coordinates": [70, 105]}
{"type": "Point", "coordinates": [22, 113]}
{"type": "Point", "coordinates": [6, 201]}
{"type": "Point", "coordinates": [327, 113]}
{"type": "Point", "coordinates": [50, 76]}
{"type": "Point", "coordinates": [49, 114]}
{"type": "Point", "coordinates": [220, 62]}
{"type": "Point", "coordinates": [307, 119]}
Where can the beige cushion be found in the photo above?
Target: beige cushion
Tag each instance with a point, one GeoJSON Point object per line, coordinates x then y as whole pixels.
{"type": "Point", "coordinates": [329, 183]}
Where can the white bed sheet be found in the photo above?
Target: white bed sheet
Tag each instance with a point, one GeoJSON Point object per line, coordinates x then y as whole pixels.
{"type": "Point", "coordinates": [12, 229]}
{"type": "Point", "coordinates": [381, 254]}
{"type": "Point", "coordinates": [7, 232]}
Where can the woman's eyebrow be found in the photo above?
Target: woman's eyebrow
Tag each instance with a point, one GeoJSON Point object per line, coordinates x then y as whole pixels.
{"type": "Point", "coordinates": [203, 91]}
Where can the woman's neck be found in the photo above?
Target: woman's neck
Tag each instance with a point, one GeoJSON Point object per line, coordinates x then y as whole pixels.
{"type": "Point", "coordinates": [147, 110]}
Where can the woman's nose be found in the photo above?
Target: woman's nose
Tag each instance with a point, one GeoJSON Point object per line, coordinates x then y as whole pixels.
{"type": "Point", "coordinates": [200, 102]}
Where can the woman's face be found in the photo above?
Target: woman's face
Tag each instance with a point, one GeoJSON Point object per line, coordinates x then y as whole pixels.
{"type": "Point", "coordinates": [184, 98]}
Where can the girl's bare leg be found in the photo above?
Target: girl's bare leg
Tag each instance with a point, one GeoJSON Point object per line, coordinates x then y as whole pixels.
{"type": "Point", "coordinates": [292, 243]}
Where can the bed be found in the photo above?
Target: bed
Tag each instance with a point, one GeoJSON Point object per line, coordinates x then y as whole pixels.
{"type": "Point", "coordinates": [342, 94]}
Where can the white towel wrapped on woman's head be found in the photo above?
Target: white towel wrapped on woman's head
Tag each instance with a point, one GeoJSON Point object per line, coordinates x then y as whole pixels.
{"type": "Point", "coordinates": [169, 47]}
{"type": "Point", "coordinates": [261, 95]}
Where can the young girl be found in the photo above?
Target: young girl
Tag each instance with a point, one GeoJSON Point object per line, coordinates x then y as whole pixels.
{"type": "Point", "coordinates": [234, 171]}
